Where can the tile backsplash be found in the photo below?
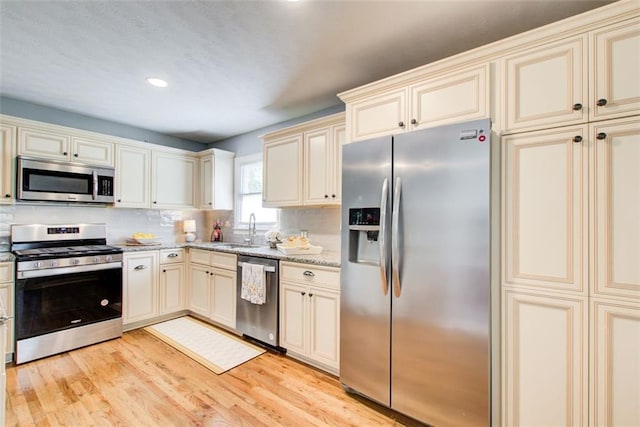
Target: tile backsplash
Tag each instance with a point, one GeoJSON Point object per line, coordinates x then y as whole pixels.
{"type": "Point", "coordinates": [321, 224]}
{"type": "Point", "coordinates": [121, 223]}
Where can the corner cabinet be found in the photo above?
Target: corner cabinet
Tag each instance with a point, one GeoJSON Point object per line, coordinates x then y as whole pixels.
{"type": "Point", "coordinates": [216, 179]}
{"type": "Point", "coordinates": [302, 164]}
{"type": "Point", "coordinates": [310, 313]}
{"type": "Point", "coordinates": [7, 162]}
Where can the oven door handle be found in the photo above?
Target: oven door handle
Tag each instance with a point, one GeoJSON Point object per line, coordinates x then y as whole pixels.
{"type": "Point", "coordinates": [67, 270]}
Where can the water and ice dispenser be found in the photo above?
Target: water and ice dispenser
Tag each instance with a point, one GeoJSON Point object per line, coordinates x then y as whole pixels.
{"type": "Point", "coordinates": [364, 230]}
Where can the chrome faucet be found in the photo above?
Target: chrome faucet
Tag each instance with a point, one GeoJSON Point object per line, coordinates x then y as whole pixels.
{"type": "Point", "coordinates": [252, 229]}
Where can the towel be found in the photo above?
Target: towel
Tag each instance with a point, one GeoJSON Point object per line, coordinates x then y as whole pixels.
{"type": "Point", "coordinates": [253, 283]}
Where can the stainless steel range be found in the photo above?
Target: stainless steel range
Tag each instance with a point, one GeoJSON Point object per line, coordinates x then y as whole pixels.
{"type": "Point", "coordinates": [68, 288]}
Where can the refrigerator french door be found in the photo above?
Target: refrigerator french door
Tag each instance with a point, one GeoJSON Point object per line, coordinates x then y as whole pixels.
{"type": "Point", "coordinates": [415, 273]}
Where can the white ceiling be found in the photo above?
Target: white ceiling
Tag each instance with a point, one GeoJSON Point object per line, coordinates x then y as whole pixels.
{"type": "Point", "coordinates": [235, 66]}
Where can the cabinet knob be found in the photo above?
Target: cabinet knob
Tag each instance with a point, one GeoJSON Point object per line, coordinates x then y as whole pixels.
{"type": "Point", "coordinates": [164, 271]}
{"type": "Point", "coordinates": [310, 295]}
{"type": "Point", "coordinates": [601, 136]}
{"type": "Point", "coordinates": [211, 273]}
{"type": "Point", "coordinates": [333, 196]}
{"type": "Point", "coordinates": [64, 153]}
{"type": "Point", "coordinates": [210, 203]}
{"type": "Point", "coordinates": [414, 122]}
{"type": "Point", "coordinates": [577, 138]}
{"type": "Point", "coordinates": [119, 200]}
{"type": "Point", "coordinates": [601, 102]}
{"type": "Point", "coordinates": [326, 196]}
{"type": "Point", "coordinates": [7, 195]}
{"type": "Point", "coordinates": [155, 202]}
{"type": "Point", "coordinates": [401, 124]}
{"type": "Point", "coordinates": [577, 107]}
{"type": "Point", "coordinates": [75, 155]}
{"type": "Point", "coordinates": [303, 293]}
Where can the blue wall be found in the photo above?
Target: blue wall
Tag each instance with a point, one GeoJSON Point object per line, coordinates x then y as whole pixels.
{"type": "Point", "coordinates": [41, 113]}
{"type": "Point", "coordinates": [250, 142]}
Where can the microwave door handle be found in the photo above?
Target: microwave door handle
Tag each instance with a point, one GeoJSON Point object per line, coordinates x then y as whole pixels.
{"type": "Point", "coordinates": [94, 194]}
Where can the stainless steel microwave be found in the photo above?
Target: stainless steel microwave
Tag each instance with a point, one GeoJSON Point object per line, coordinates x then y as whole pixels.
{"type": "Point", "coordinates": [50, 180]}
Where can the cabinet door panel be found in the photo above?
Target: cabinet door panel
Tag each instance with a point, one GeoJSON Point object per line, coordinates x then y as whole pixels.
{"type": "Point", "coordinates": [7, 162]}
{"type": "Point", "coordinates": [616, 70]}
{"type": "Point", "coordinates": [455, 98]}
{"type": "Point", "coordinates": [339, 139]}
{"type": "Point", "coordinates": [133, 174]}
{"type": "Point", "coordinates": [616, 208]}
{"type": "Point", "coordinates": [200, 292]}
{"type": "Point", "coordinates": [140, 287]}
{"type": "Point", "coordinates": [6, 295]}
{"type": "Point", "coordinates": [92, 152]}
{"type": "Point", "coordinates": [316, 158]}
{"type": "Point", "coordinates": [615, 358]}
{"type": "Point", "coordinates": [545, 201]}
{"type": "Point", "coordinates": [223, 304]}
{"type": "Point", "coordinates": [171, 288]}
{"type": "Point", "coordinates": [282, 171]}
{"type": "Point", "coordinates": [206, 183]}
{"type": "Point", "coordinates": [378, 115]}
{"type": "Point", "coordinates": [544, 360]}
{"type": "Point", "coordinates": [293, 323]}
{"type": "Point", "coordinates": [173, 184]}
{"type": "Point", "coordinates": [324, 326]}
{"type": "Point", "coordinates": [33, 142]}
{"type": "Point", "coordinates": [543, 85]}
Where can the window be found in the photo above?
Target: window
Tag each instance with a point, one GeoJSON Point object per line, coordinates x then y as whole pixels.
{"type": "Point", "coordinates": [248, 184]}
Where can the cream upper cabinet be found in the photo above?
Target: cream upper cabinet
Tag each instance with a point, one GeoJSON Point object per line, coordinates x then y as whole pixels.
{"type": "Point", "coordinates": [133, 175]}
{"type": "Point", "coordinates": [302, 163]}
{"type": "Point", "coordinates": [615, 155]}
{"type": "Point", "coordinates": [431, 101]}
{"type": "Point", "coordinates": [455, 97]}
{"type": "Point", "coordinates": [615, 364]}
{"type": "Point", "coordinates": [615, 78]}
{"type": "Point", "coordinates": [48, 144]}
{"type": "Point", "coordinates": [322, 166]}
{"type": "Point", "coordinates": [546, 86]}
{"type": "Point", "coordinates": [282, 170]}
{"type": "Point", "coordinates": [7, 162]}
{"type": "Point", "coordinates": [216, 180]}
{"type": "Point", "coordinates": [377, 115]}
{"type": "Point", "coordinates": [173, 181]}
{"type": "Point", "coordinates": [544, 361]}
{"type": "Point", "coordinates": [545, 197]}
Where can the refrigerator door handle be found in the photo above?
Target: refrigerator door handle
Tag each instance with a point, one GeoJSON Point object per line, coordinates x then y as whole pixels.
{"type": "Point", "coordinates": [395, 230]}
{"type": "Point", "coordinates": [382, 236]}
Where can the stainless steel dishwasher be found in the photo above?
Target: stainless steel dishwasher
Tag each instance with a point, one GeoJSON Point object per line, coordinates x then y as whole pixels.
{"type": "Point", "coordinates": [259, 321]}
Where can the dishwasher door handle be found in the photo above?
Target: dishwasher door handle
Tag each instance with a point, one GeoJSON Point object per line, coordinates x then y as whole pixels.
{"type": "Point", "coordinates": [267, 268]}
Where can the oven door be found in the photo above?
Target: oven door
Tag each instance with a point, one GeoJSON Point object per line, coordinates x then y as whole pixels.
{"type": "Point", "coordinates": [56, 302]}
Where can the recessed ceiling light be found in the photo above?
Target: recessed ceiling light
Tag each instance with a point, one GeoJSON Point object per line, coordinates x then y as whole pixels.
{"type": "Point", "coordinates": [154, 81]}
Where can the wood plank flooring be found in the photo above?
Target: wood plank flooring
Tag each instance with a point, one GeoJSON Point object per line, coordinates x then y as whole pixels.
{"type": "Point", "coordinates": [138, 380]}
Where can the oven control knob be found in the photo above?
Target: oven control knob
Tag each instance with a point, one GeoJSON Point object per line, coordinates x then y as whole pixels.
{"type": "Point", "coordinates": [53, 263]}
{"type": "Point", "coordinates": [75, 261]}
{"type": "Point", "coordinates": [108, 258]}
{"type": "Point", "coordinates": [96, 259]}
{"type": "Point", "coordinates": [37, 264]}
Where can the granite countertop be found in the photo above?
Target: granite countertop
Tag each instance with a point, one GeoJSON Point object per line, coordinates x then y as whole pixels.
{"type": "Point", "coordinates": [6, 257]}
{"type": "Point", "coordinates": [326, 258]}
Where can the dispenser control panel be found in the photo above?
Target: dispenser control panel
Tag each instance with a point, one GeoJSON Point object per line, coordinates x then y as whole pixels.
{"type": "Point", "coordinates": [364, 216]}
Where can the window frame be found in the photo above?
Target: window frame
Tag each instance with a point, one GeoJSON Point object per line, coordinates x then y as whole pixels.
{"type": "Point", "coordinates": [238, 224]}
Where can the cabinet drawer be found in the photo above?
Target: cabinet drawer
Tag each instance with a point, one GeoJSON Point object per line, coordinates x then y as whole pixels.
{"type": "Point", "coordinates": [6, 272]}
{"type": "Point", "coordinates": [199, 256]}
{"type": "Point", "coordinates": [169, 256]}
{"type": "Point", "coordinates": [223, 260]}
{"type": "Point", "coordinates": [310, 274]}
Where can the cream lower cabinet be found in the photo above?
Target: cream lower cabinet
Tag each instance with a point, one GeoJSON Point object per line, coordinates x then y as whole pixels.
{"type": "Point", "coordinates": [212, 281]}
{"type": "Point", "coordinates": [615, 363]}
{"type": "Point", "coordinates": [7, 162]}
{"type": "Point", "coordinates": [133, 177]}
{"type": "Point", "coordinates": [310, 313]}
{"type": "Point", "coordinates": [172, 281]}
{"type": "Point", "coordinates": [545, 359]}
{"type": "Point", "coordinates": [7, 292]}
{"type": "Point", "coordinates": [140, 286]}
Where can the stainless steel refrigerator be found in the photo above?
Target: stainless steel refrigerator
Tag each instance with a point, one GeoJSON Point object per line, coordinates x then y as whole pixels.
{"type": "Point", "coordinates": [415, 274]}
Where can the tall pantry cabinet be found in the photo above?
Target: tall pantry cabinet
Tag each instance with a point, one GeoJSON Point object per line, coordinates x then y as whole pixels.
{"type": "Point", "coordinates": [564, 101]}
{"type": "Point", "coordinates": [571, 231]}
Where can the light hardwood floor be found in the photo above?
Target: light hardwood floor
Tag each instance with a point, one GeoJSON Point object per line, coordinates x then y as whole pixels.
{"type": "Point", "coordinates": [138, 380]}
